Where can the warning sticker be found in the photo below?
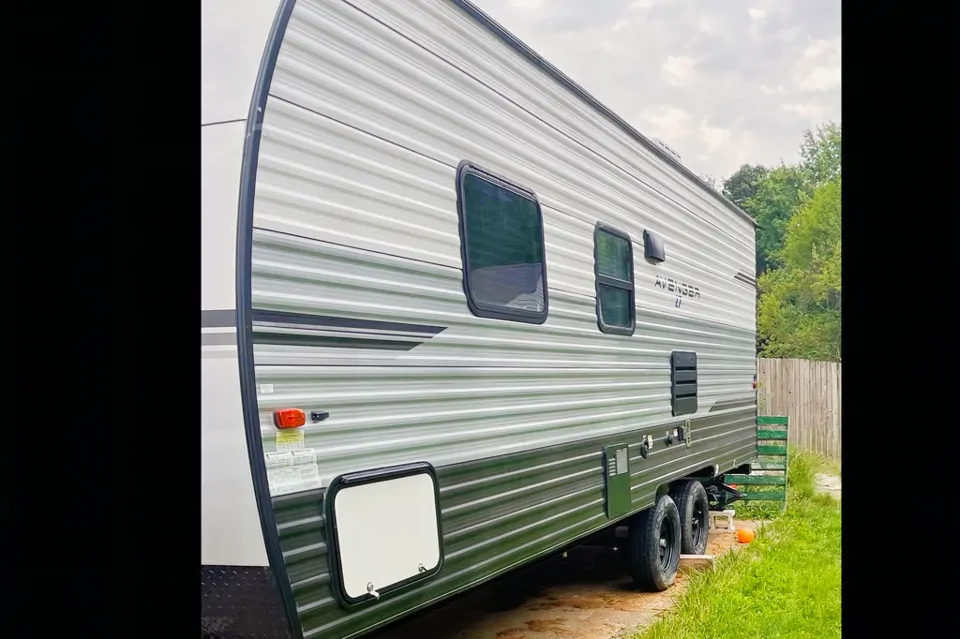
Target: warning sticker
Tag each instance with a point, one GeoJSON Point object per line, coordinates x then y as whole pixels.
{"type": "Point", "coordinates": [290, 439]}
{"type": "Point", "coordinates": [293, 479]}
{"type": "Point", "coordinates": [305, 456]}
{"type": "Point", "coordinates": [278, 460]}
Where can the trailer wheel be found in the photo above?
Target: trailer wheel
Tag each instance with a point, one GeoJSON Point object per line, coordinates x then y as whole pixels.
{"type": "Point", "coordinates": [655, 545]}
{"type": "Point", "coordinates": [691, 499]}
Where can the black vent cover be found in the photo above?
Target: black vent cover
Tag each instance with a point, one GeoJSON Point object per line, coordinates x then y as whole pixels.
{"type": "Point", "coordinates": [653, 249]}
{"type": "Point", "coordinates": [683, 382]}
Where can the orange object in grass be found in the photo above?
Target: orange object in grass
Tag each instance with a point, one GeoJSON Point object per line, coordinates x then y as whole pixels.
{"type": "Point", "coordinates": [745, 535]}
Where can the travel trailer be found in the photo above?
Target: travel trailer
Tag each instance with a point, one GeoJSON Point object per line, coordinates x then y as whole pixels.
{"type": "Point", "coordinates": [456, 316]}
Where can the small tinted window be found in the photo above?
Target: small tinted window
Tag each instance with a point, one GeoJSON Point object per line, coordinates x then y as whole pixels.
{"type": "Point", "coordinates": [502, 237]}
{"type": "Point", "coordinates": [616, 311]}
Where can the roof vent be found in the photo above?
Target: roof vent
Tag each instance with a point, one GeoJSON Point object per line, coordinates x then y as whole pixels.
{"type": "Point", "coordinates": [667, 148]}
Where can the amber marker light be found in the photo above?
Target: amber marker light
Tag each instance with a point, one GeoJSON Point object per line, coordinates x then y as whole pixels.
{"type": "Point", "coordinates": [289, 418]}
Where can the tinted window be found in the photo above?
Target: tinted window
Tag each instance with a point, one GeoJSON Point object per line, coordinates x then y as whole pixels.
{"type": "Point", "coordinates": [616, 312]}
{"type": "Point", "coordinates": [502, 233]}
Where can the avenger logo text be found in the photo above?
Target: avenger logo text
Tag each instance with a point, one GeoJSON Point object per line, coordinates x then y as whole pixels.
{"type": "Point", "coordinates": [682, 289]}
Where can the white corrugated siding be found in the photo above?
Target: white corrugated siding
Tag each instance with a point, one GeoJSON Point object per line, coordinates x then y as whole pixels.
{"type": "Point", "coordinates": [356, 217]}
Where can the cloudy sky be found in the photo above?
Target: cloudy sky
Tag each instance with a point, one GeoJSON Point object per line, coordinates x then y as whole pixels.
{"type": "Point", "coordinates": [722, 82]}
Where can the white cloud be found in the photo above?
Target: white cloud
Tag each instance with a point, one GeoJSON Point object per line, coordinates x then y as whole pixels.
{"type": "Point", "coordinates": [810, 110]}
{"type": "Point", "coordinates": [639, 5]}
{"type": "Point", "coordinates": [817, 48]}
{"type": "Point", "coordinates": [678, 69]}
{"type": "Point", "coordinates": [789, 34]}
{"type": "Point", "coordinates": [668, 123]}
{"type": "Point", "coordinates": [526, 4]}
{"type": "Point", "coordinates": [819, 67]}
{"type": "Point", "coordinates": [821, 79]}
{"type": "Point", "coordinates": [714, 137]}
{"type": "Point", "coordinates": [720, 84]}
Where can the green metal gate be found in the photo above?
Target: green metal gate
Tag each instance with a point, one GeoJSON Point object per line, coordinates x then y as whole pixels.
{"type": "Point", "coordinates": [771, 485]}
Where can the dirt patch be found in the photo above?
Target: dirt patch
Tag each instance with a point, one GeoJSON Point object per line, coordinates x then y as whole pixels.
{"type": "Point", "coordinates": [587, 595]}
{"type": "Point", "coordinates": [829, 484]}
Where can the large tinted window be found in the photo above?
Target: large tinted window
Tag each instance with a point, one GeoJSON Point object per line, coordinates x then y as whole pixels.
{"type": "Point", "coordinates": [502, 236]}
{"type": "Point", "coordinates": [616, 312]}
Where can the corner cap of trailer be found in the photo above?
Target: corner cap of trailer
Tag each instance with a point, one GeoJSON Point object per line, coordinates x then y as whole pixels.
{"type": "Point", "coordinates": [498, 30]}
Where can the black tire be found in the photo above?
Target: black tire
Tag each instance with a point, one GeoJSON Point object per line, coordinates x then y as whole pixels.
{"type": "Point", "coordinates": [691, 499]}
{"type": "Point", "coordinates": [655, 545]}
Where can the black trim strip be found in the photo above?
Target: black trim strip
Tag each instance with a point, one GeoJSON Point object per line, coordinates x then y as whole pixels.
{"type": "Point", "coordinates": [303, 319]}
{"type": "Point", "coordinates": [251, 417]}
{"type": "Point", "coordinates": [746, 279]}
{"type": "Point", "coordinates": [494, 27]}
{"type": "Point", "coordinates": [218, 122]}
{"type": "Point", "coordinates": [222, 318]}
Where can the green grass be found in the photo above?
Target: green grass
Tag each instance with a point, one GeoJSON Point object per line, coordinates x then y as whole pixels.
{"type": "Point", "coordinates": [803, 466]}
{"type": "Point", "coordinates": [785, 584]}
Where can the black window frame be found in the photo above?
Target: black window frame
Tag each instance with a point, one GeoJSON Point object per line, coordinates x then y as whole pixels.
{"type": "Point", "coordinates": [614, 282]}
{"type": "Point", "coordinates": [478, 308]}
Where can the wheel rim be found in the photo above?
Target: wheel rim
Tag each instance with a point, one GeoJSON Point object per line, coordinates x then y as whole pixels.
{"type": "Point", "coordinates": [698, 525]}
{"type": "Point", "coordinates": [667, 536]}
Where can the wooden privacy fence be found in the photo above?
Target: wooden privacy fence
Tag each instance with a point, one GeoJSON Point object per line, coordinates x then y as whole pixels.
{"type": "Point", "coordinates": [809, 393]}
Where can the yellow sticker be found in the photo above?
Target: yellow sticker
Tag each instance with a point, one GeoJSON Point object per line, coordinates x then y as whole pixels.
{"type": "Point", "coordinates": [289, 439]}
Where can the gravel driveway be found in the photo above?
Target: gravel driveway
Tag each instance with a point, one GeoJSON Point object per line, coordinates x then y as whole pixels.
{"type": "Point", "coordinates": [829, 484]}
{"type": "Point", "coordinates": [585, 596]}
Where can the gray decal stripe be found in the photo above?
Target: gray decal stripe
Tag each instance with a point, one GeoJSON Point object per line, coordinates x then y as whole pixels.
{"type": "Point", "coordinates": [281, 317]}
{"type": "Point", "coordinates": [222, 318]}
{"type": "Point", "coordinates": [218, 339]}
{"type": "Point", "coordinates": [284, 339]}
{"type": "Point", "coordinates": [732, 403]}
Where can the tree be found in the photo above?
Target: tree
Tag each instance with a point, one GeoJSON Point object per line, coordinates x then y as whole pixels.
{"type": "Point", "coordinates": [800, 303]}
{"type": "Point", "coordinates": [776, 196]}
{"type": "Point", "coordinates": [742, 185]}
{"type": "Point", "coordinates": [820, 153]}
{"type": "Point", "coordinates": [798, 213]}
{"type": "Point", "coordinates": [710, 180]}
{"type": "Point", "coordinates": [797, 209]}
